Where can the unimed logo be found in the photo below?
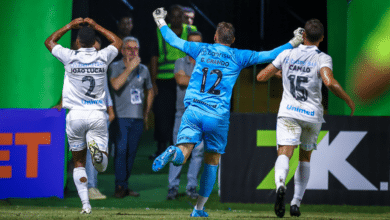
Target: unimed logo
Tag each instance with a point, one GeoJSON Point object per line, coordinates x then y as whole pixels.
{"type": "Point", "coordinates": [31, 141]}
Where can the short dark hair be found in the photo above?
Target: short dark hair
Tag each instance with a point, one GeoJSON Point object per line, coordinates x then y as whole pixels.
{"type": "Point", "coordinates": [86, 36]}
{"type": "Point", "coordinates": [314, 30]}
{"type": "Point", "coordinates": [225, 32]}
{"type": "Point", "coordinates": [175, 7]}
{"type": "Point", "coordinates": [195, 33]}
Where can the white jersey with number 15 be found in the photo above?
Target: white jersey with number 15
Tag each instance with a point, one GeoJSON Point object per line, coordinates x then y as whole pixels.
{"type": "Point", "coordinates": [302, 82]}
{"type": "Point", "coordinates": [85, 75]}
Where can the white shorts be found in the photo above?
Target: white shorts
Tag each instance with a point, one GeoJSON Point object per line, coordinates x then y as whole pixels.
{"type": "Point", "coordinates": [291, 131]}
{"type": "Point", "coordinates": [85, 126]}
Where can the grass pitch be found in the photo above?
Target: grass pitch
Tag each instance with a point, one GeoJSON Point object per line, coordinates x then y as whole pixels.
{"type": "Point", "coordinates": [23, 212]}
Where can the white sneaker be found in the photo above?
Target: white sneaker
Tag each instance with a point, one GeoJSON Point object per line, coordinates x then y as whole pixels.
{"type": "Point", "coordinates": [95, 194]}
{"type": "Point", "coordinates": [86, 211]}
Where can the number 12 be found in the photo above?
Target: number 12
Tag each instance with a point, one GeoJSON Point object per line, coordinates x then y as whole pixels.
{"type": "Point", "coordinates": [212, 90]}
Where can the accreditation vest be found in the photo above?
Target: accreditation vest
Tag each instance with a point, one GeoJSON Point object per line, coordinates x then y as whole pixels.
{"type": "Point", "coordinates": [168, 54]}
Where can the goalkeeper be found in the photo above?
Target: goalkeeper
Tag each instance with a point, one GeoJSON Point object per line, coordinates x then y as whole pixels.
{"type": "Point", "coordinates": [207, 98]}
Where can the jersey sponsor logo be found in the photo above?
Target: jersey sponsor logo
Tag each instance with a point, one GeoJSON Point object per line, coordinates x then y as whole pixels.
{"type": "Point", "coordinates": [299, 62]}
{"type": "Point", "coordinates": [87, 70]}
{"type": "Point", "coordinates": [91, 102]}
{"type": "Point", "coordinates": [215, 54]}
{"type": "Point", "coordinates": [299, 110]}
{"type": "Point", "coordinates": [204, 103]}
{"type": "Point", "coordinates": [94, 64]}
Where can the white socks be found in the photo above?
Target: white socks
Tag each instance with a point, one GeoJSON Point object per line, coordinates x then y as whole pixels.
{"type": "Point", "coordinates": [81, 181]}
{"type": "Point", "coordinates": [301, 178]}
{"type": "Point", "coordinates": [200, 203]}
{"type": "Point", "coordinates": [281, 170]}
{"type": "Point", "coordinates": [101, 167]}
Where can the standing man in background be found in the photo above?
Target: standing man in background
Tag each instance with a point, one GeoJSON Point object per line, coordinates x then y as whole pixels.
{"type": "Point", "coordinates": [83, 94]}
{"type": "Point", "coordinates": [124, 26]}
{"type": "Point", "coordinates": [301, 112]}
{"type": "Point", "coordinates": [162, 66]}
{"type": "Point", "coordinates": [129, 79]}
{"type": "Point", "coordinates": [183, 71]}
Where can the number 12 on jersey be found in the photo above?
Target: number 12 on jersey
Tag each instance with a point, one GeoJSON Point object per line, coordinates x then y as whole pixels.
{"type": "Point", "coordinates": [212, 90]}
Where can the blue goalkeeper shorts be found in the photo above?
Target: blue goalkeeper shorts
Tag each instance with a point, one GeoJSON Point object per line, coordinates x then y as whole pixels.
{"type": "Point", "coordinates": [197, 125]}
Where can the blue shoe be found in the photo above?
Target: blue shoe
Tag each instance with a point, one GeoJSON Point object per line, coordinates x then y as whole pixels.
{"type": "Point", "coordinates": [199, 213]}
{"type": "Point", "coordinates": [164, 158]}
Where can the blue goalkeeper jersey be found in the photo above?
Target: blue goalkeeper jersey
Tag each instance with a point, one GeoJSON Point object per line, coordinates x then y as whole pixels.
{"type": "Point", "coordinates": [216, 71]}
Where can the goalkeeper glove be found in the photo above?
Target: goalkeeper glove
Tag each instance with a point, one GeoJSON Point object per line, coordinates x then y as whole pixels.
{"type": "Point", "coordinates": [297, 39]}
{"type": "Point", "coordinates": [159, 16]}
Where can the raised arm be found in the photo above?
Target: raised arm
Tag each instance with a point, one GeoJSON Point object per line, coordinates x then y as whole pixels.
{"type": "Point", "coordinates": [52, 40]}
{"type": "Point", "coordinates": [269, 56]}
{"type": "Point", "coordinates": [335, 87]}
{"type": "Point", "coordinates": [169, 36]}
{"type": "Point", "coordinates": [114, 40]}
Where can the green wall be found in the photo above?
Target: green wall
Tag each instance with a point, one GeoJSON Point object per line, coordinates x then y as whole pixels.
{"type": "Point", "coordinates": [30, 76]}
{"type": "Point", "coordinates": [337, 43]}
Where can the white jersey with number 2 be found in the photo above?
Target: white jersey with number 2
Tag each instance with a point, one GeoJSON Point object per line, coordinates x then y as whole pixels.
{"type": "Point", "coordinates": [85, 75]}
{"type": "Point", "coordinates": [302, 82]}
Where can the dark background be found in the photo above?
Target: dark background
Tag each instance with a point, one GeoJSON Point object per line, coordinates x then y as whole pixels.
{"type": "Point", "coordinates": [280, 19]}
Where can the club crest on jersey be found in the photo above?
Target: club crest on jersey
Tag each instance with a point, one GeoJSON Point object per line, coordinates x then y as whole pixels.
{"type": "Point", "coordinates": [299, 110]}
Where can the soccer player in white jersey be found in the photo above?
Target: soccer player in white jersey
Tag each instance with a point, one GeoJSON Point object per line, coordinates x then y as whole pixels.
{"type": "Point", "coordinates": [301, 113]}
{"type": "Point", "coordinates": [83, 94]}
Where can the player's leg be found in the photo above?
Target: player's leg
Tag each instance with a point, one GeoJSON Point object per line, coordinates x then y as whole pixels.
{"type": "Point", "coordinates": [193, 170]}
{"type": "Point", "coordinates": [288, 133]}
{"type": "Point", "coordinates": [75, 130]}
{"type": "Point", "coordinates": [207, 182]}
{"type": "Point", "coordinates": [80, 179]}
{"type": "Point", "coordinates": [189, 134]}
{"type": "Point", "coordinates": [97, 140]}
{"type": "Point", "coordinates": [215, 140]}
{"type": "Point", "coordinates": [309, 138]}
{"type": "Point", "coordinates": [301, 178]}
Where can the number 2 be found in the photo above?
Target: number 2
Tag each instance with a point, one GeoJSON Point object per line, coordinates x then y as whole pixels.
{"type": "Point", "coordinates": [212, 90]}
{"type": "Point", "coordinates": [91, 85]}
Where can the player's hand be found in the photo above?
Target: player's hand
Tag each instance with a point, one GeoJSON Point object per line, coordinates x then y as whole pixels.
{"type": "Point", "coordinates": [91, 22]}
{"type": "Point", "coordinates": [298, 37]}
{"type": "Point", "coordinates": [75, 24]}
{"type": "Point", "coordinates": [159, 16]}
